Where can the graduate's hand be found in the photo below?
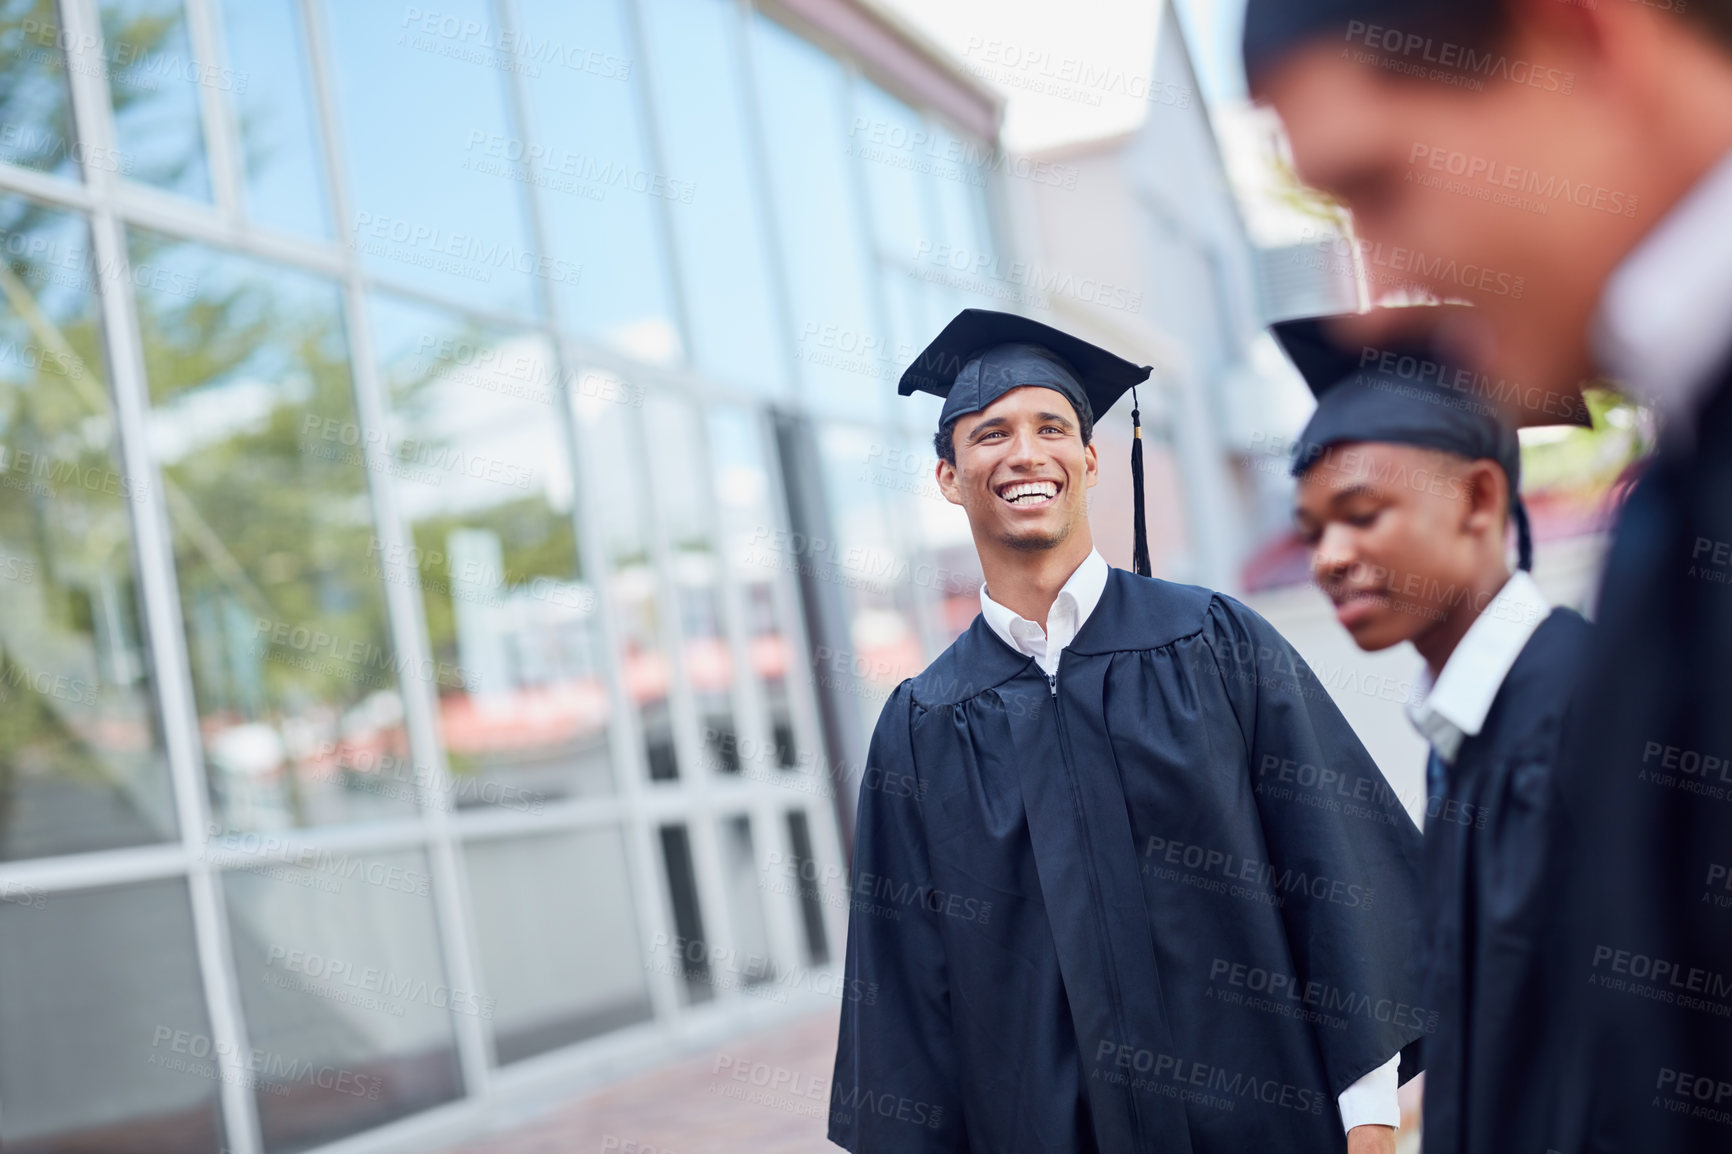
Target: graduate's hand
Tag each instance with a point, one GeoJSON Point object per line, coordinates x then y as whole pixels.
{"type": "Point", "coordinates": [1371, 1140]}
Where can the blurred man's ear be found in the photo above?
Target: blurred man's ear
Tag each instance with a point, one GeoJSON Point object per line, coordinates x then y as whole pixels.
{"type": "Point", "coordinates": [1485, 495]}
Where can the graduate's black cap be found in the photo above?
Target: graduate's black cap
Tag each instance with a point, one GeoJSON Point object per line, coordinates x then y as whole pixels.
{"type": "Point", "coordinates": [1274, 28]}
{"type": "Point", "coordinates": [982, 355]}
{"type": "Point", "coordinates": [1404, 395]}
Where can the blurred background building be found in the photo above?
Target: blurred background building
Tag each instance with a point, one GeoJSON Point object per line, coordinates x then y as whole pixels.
{"type": "Point", "coordinates": [457, 529]}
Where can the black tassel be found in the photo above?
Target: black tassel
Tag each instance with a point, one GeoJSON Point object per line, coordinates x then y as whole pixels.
{"type": "Point", "coordinates": [1140, 525]}
{"type": "Point", "coordinates": [1524, 537]}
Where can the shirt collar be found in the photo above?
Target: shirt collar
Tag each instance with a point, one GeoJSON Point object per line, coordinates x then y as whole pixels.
{"type": "Point", "coordinates": [1661, 328]}
{"type": "Point", "coordinates": [1454, 708]}
{"type": "Point", "coordinates": [1082, 591]}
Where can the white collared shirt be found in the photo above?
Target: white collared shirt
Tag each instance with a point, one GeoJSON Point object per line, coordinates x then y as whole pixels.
{"type": "Point", "coordinates": [1075, 602]}
{"type": "Point", "coordinates": [1662, 327]}
{"type": "Point", "coordinates": [1371, 1100]}
{"type": "Point", "coordinates": [1454, 707]}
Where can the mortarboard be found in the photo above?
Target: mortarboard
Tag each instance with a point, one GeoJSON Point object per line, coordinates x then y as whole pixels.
{"type": "Point", "coordinates": [1274, 28]}
{"type": "Point", "coordinates": [1403, 395]}
{"type": "Point", "coordinates": [982, 355]}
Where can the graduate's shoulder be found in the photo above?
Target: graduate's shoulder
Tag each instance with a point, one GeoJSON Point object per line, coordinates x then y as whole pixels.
{"type": "Point", "coordinates": [974, 663]}
{"type": "Point", "coordinates": [1149, 613]}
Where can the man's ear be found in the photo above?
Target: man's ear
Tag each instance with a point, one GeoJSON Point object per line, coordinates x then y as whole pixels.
{"type": "Point", "coordinates": [1486, 491]}
{"type": "Point", "coordinates": [1091, 465]}
{"type": "Point", "coordinates": [947, 483]}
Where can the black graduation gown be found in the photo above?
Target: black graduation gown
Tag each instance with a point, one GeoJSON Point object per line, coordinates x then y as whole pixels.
{"type": "Point", "coordinates": [1164, 902]}
{"type": "Point", "coordinates": [1646, 962]}
{"type": "Point", "coordinates": [1488, 849]}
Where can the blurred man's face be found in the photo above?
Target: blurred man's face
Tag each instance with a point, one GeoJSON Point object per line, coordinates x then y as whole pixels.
{"type": "Point", "coordinates": [1521, 198]}
{"type": "Point", "coordinates": [1022, 472]}
{"type": "Point", "coordinates": [1399, 537]}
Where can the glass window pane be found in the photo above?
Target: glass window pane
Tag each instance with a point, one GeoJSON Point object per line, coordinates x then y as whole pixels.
{"type": "Point", "coordinates": [805, 865]}
{"type": "Point", "coordinates": [560, 950]}
{"type": "Point", "coordinates": [253, 425]}
{"type": "Point", "coordinates": [880, 132]}
{"type": "Point", "coordinates": [35, 103]}
{"type": "Point", "coordinates": [153, 84]}
{"type": "Point", "coordinates": [339, 969]}
{"type": "Point", "coordinates": [104, 1039]}
{"type": "Point", "coordinates": [689, 953]}
{"type": "Point", "coordinates": [683, 492]}
{"type": "Point", "coordinates": [751, 963]}
{"type": "Point", "coordinates": [424, 213]}
{"type": "Point", "coordinates": [882, 630]}
{"type": "Point", "coordinates": [82, 765]}
{"type": "Point", "coordinates": [483, 476]}
{"type": "Point", "coordinates": [700, 101]}
{"type": "Point", "coordinates": [847, 363]}
{"type": "Point", "coordinates": [600, 197]}
{"type": "Point", "coordinates": [284, 165]}
{"type": "Point", "coordinates": [745, 500]}
{"type": "Point", "coordinates": [612, 466]}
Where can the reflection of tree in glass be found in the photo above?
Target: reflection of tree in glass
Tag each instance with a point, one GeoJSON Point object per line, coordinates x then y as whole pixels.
{"type": "Point", "coordinates": [72, 672]}
{"type": "Point", "coordinates": [156, 110]}
{"type": "Point", "coordinates": [34, 101]}
{"type": "Point", "coordinates": [273, 527]}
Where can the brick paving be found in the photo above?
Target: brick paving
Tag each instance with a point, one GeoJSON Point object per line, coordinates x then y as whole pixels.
{"type": "Point", "coordinates": [697, 1105]}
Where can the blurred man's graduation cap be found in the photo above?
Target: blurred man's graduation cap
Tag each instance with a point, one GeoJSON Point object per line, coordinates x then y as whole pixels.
{"type": "Point", "coordinates": [1402, 394]}
{"type": "Point", "coordinates": [982, 355]}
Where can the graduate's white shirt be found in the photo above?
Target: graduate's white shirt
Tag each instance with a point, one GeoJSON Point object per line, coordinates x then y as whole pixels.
{"type": "Point", "coordinates": [1372, 1099]}
{"type": "Point", "coordinates": [1662, 328]}
{"type": "Point", "coordinates": [1453, 708]}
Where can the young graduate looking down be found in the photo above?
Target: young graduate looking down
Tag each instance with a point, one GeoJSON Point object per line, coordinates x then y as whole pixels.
{"type": "Point", "coordinates": [1405, 499]}
{"type": "Point", "coordinates": [1149, 894]}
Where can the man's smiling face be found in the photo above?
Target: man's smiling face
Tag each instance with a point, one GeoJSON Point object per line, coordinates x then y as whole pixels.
{"type": "Point", "coordinates": [1022, 472]}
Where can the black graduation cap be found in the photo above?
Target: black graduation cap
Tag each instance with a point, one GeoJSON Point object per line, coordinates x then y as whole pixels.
{"type": "Point", "coordinates": [1274, 28]}
{"type": "Point", "coordinates": [982, 355]}
{"type": "Point", "coordinates": [1402, 394]}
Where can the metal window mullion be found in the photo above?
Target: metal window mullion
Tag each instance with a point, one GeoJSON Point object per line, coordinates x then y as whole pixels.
{"type": "Point", "coordinates": [45, 186]}
{"type": "Point", "coordinates": [154, 552]}
{"type": "Point", "coordinates": [403, 606]}
{"type": "Point", "coordinates": [219, 119]}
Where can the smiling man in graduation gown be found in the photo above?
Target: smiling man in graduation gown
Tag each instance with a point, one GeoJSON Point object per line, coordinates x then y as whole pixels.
{"type": "Point", "coordinates": [1407, 491]}
{"type": "Point", "coordinates": [1147, 893]}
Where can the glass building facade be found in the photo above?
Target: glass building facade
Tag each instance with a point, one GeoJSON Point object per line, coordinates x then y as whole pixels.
{"type": "Point", "coordinates": [456, 533]}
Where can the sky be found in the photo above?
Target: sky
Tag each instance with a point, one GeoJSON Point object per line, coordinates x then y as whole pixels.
{"type": "Point", "coordinates": [1019, 45]}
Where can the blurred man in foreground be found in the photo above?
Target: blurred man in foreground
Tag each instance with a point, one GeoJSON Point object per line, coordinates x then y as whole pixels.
{"type": "Point", "coordinates": [1567, 167]}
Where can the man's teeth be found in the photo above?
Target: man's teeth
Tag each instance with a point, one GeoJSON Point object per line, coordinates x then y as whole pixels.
{"type": "Point", "coordinates": [1031, 492]}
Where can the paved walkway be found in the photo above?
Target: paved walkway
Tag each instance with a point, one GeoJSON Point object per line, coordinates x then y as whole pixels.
{"type": "Point", "coordinates": [762, 1094]}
